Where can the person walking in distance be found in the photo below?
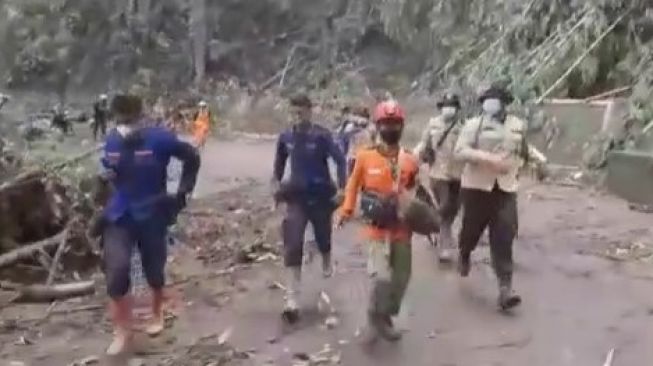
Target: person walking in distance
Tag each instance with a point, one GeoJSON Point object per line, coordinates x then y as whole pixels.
{"type": "Point", "coordinates": [139, 210]}
{"type": "Point", "coordinates": [436, 148]}
{"type": "Point", "coordinates": [201, 125]}
{"type": "Point", "coordinates": [309, 193]}
{"type": "Point", "coordinates": [382, 173]}
{"type": "Point", "coordinates": [100, 116]}
{"type": "Point", "coordinates": [494, 147]}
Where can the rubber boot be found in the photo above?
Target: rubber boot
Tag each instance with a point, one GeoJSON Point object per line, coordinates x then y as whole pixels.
{"type": "Point", "coordinates": [387, 329]}
{"type": "Point", "coordinates": [121, 317]}
{"type": "Point", "coordinates": [464, 264]}
{"type": "Point", "coordinates": [327, 266]}
{"type": "Point", "coordinates": [507, 297]}
{"type": "Point", "coordinates": [293, 283]}
{"type": "Point", "coordinates": [445, 242]}
{"type": "Point", "coordinates": [157, 324]}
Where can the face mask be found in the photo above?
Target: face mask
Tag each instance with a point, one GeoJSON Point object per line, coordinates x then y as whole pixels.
{"type": "Point", "coordinates": [124, 130]}
{"type": "Point", "coordinates": [390, 136]}
{"type": "Point", "coordinates": [448, 112]}
{"type": "Point", "coordinates": [492, 107]}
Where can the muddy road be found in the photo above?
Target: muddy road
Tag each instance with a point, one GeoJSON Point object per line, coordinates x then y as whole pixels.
{"type": "Point", "coordinates": [582, 267]}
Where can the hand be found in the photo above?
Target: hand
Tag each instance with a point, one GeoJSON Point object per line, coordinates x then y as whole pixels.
{"type": "Point", "coordinates": [340, 221]}
{"type": "Point", "coordinates": [498, 163]}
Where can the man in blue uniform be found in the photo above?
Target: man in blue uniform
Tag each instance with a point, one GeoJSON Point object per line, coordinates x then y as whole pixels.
{"type": "Point", "coordinates": [309, 192]}
{"type": "Point", "coordinates": [140, 210]}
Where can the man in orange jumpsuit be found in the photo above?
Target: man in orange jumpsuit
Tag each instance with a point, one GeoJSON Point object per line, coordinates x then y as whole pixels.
{"type": "Point", "coordinates": [201, 125]}
{"type": "Point", "coordinates": [381, 173]}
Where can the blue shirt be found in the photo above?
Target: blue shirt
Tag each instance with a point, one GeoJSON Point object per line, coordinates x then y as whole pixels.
{"type": "Point", "coordinates": [140, 171]}
{"type": "Point", "coordinates": [309, 149]}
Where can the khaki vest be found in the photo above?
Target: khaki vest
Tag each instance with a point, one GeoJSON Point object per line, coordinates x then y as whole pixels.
{"type": "Point", "coordinates": [446, 166]}
{"type": "Point", "coordinates": [486, 134]}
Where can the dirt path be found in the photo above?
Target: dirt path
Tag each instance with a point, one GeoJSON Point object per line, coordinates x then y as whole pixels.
{"type": "Point", "coordinates": [579, 302]}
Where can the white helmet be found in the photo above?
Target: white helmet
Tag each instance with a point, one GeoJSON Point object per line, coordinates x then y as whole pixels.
{"type": "Point", "coordinates": [103, 97]}
{"type": "Point", "coordinates": [202, 104]}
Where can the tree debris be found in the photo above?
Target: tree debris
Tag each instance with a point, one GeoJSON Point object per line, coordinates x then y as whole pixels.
{"type": "Point", "coordinates": [29, 250]}
{"type": "Point", "coordinates": [43, 293]}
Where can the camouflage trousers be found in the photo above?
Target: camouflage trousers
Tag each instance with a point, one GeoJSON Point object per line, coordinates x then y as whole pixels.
{"type": "Point", "coordinates": [389, 267]}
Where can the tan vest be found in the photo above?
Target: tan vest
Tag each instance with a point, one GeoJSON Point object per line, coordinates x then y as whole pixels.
{"type": "Point", "coordinates": [446, 166]}
{"type": "Point", "coordinates": [486, 134]}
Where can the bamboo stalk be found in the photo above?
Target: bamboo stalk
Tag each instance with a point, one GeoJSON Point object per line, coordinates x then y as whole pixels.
{"type": "Point", "coordinates": [580, 58]}
{"type": "Point", "coordinates": [552, 52]}
{"type": "Point", "coordinates": [498, 41]}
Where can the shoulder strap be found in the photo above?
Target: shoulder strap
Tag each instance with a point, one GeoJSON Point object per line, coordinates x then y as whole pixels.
{"type": "Point", "coordinates": [445, 134]}
{"type": "Point", "coordinates": [478, 132]}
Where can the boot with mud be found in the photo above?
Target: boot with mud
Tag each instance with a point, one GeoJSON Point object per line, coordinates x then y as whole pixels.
{"type": "Point", "coordinates": [387, 329]}
{"type": "Point", "coordinates": [291, 309]}
{"type": "Point", "coordinates": [121, 317]}
{"type": "Point", "coordinates": [157, 324]}
{"type": "Point", "coordinates": [508, 299]}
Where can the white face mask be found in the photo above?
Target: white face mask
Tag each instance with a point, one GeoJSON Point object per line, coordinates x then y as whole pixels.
{"type": "Point", "coordinates": [124, 130]}
{"type": "Point", "coordinates": [492, 106]}
{"type": "Point", "coordinates": [448, 111]}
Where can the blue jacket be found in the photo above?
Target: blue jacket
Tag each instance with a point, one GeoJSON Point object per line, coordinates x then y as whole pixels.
{"type": "Point", "coordinates": [309, 149]}
{"type": "Point", "coordinates": [139, 165]}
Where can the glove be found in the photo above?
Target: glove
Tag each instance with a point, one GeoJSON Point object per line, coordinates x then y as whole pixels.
{"type": "Point", "coordinates": [181, 199]}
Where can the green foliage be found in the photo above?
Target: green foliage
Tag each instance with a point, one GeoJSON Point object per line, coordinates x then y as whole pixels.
{"type": "Point", "coordinates": [531, 42]}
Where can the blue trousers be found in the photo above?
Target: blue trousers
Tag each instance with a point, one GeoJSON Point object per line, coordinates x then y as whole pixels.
{"type": "Point", "coordinates": [298, 215]}
{"type": "Point", "coordinates": [120, 238]}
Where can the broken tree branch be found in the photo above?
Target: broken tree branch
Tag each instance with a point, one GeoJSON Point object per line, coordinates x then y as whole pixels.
{"type": "Point", "coordinates": [57, 257]}
{"type": "Point", "coordinates": [43, 293]}
{"type": "Point", "coordinates": [285, 68]}
{"type": "Point", "coordinates": [27, 251]}
{"type": "Point", "coordinates": [609, 93]}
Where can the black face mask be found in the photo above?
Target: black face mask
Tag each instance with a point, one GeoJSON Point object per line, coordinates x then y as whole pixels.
{"type": "Point", "coordinates": [390, 137]}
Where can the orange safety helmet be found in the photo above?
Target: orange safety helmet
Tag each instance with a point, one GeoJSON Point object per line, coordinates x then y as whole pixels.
{"type": "Point", "coordinates": [389, 112]}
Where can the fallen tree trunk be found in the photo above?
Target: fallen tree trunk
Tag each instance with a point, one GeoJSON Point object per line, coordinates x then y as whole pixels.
{"type": "Point", "coordinates": [44, 293]}
{"type": "Point", "coordinates": [27, 251]}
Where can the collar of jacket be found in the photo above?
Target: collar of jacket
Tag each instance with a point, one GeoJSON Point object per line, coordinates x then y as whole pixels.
{"type": "Point", "coordinates": [302, 127]}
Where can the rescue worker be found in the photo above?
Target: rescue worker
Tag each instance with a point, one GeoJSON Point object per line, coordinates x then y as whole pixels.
{"type": "Point", "coordinates": [382, 173]}
{"type": "Point", "coordinates": [308, 193]}
{"type": "Point", "coordinates": [360, 137]}
{"type": "Point", "coordinates": [494, 147]}
{"type": "Point", "coordinates": [436, 148]}
{"type": "Point", "coordinates": [100, 116]}
{"type": "Point", "coordinates": [139, 211]}
{"type": "Point", "coordinates": [201, 124]}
